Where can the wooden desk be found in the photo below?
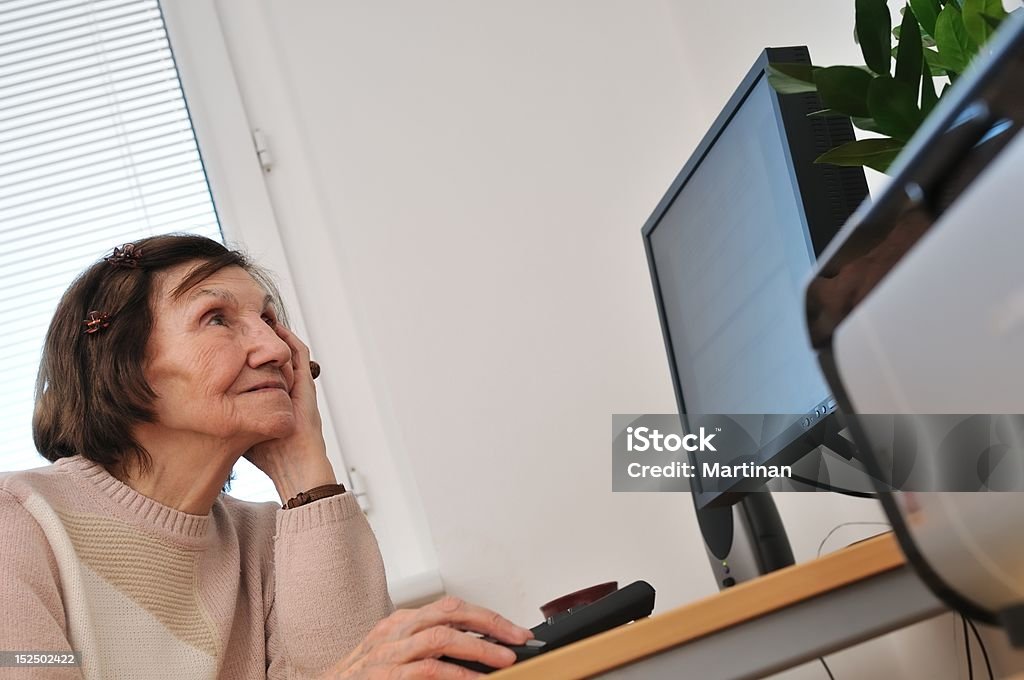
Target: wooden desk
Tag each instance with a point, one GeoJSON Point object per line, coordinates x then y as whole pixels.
{"type": "Point", "coordinates": [756, 628]}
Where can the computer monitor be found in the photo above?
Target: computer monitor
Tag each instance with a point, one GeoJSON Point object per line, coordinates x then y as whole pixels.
{"type": "Point", "coordinates": [730, 247]}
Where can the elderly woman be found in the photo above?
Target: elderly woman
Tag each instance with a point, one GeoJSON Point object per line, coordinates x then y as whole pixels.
{"type": "Point", "coordinates": [164, 364]}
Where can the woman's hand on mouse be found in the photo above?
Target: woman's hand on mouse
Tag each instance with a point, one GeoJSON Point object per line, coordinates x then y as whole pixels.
{"type": "Point", "coordinates": [408, 644]}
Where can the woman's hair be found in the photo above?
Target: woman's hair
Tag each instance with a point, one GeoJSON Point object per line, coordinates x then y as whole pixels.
{"type": "Point", "coordinates": [91, 390]}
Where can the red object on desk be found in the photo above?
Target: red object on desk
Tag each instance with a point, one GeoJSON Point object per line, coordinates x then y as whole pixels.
{"type": "Point", "coordinates": [560, 606]}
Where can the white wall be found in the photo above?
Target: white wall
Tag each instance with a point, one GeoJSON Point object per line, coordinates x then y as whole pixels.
{"type": "Point", "coordinates": [462, 185]}
{"type": "Point", "coordinates": [485, 172]}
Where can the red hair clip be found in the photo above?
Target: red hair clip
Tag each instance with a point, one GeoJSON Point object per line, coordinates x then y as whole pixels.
{"type": "Point", "coordinates": [96, 322]}
{"type": "Point", "coordinates": [125, 256]}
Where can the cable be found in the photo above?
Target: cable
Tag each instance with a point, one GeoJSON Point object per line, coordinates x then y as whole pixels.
{"type": "Point", "coordinates": [967, 646]}
{"type": "Point", "coordinates": [984, 652]}
{"type": "Point", "coordinates": [827, 669]}
{"type": "Point", "coordinates": [953, 620]}
{"type": "Point", "coordinates": [847, 524]}
{"type": "Point", "coordinates": [835, 489]}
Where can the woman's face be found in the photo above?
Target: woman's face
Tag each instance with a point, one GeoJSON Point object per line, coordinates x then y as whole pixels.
{"type": "Point", "coordinates": [219, 369]}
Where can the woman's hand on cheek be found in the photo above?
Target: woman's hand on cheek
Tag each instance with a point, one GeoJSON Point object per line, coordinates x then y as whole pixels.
{"type": "Point", "coordinates": [298, 461]}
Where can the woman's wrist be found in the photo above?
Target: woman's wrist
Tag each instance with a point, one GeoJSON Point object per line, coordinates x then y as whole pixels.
{"type": "Point", "coordinates": [293, 482]}
{"type": "Point", "coordinates": [312, 495]}
{"type": "Point", "coordinates": [293, 473]}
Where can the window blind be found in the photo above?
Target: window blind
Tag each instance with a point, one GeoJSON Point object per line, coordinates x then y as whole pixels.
{"type": "Point", "coordinates": [96, 149]}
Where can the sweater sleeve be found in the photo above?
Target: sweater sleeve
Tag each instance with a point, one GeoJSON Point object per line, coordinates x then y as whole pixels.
{"type": "Point", "coordinates": [329, 587]}
{"type": "Point", "coordinates": [33, 619]}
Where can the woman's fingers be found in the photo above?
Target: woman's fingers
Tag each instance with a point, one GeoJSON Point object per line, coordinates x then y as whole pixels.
{"type": "Point", "coordinates": [409, 642]}
{"type": "Point", "coordinates": [444, 641]}
{"type": "Point", "coordinates": [300, 351]}
{"type": "Point", "coordinates": [451, 611]}
{"type": "Point", "coordinates": [432, 668]}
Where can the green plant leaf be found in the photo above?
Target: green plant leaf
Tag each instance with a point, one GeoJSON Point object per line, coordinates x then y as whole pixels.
{"type": "Point", "coordinates": [935, 61]}
{"type": "Point", "coordinates": [926, 39]}
{"type": "Point", "coordinates": [844, 88]}
{"type": "Point", "coordinates": [994, 22]}
{"type": "Point", "coordinates": [873, 25]}
{"type": "Point", "coordinates": [929, 97]}
{"type": "Point", "coordinates": [974, 18]}
{"type": "Point", "coordinates": [867, 124]}
{"type": "Point", "coordinates": [792, 78]}
{"type": "Point", "coordinates": [874, 153]}
{"type": "Point", "coordinates": [893, 105]}
{"type": "Point", "coordinates": [910, 52]}
{"type": "Point", "coordinates": [955, 45]}
{"type": "Point", "coordinates": [926, 11]}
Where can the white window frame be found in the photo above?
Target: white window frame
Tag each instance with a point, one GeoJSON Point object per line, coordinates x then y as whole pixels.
{"type": "Point", "coordinates": [246, 211]}
{"type": "Point", "coordinates": [233, 169]}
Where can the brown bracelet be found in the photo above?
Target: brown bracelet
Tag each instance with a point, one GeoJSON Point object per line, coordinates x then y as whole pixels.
{"type": "Point", "coordinates": [315, 494]}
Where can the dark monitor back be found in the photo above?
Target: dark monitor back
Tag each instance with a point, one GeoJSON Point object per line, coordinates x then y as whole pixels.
{"type": "Point", "coordinates": [730, 247]}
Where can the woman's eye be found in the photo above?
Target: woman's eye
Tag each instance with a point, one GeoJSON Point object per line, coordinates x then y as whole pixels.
{"type": "Point", "coordinates": [271, 321]}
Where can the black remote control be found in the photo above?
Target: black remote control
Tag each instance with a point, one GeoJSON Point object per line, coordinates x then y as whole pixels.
{"type": "Point", "coordinates": [633, 602]}
{"type": "Point", "coordinates": [526, 651]}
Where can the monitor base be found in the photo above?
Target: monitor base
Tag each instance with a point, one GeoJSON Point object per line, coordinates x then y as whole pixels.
{"type": "Point", "coordinates": [744, 540]}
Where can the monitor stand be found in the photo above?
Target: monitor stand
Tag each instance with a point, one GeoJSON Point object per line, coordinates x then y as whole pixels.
{"type": "Point", "coordinates": [744, 540]}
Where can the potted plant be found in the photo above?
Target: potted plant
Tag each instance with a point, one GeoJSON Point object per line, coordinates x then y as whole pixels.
{"type": "Point", "coordinates": [896, 88]}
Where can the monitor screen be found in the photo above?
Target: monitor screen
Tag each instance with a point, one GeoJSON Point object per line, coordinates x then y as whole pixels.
{"type": "Point", "coordinates": [730, 248]}
{"type": "Point", "coordinates": [733, 254]}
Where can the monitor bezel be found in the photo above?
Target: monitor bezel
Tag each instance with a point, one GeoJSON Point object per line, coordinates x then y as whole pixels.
{"type": "Point", "coordinates": [822, 220]}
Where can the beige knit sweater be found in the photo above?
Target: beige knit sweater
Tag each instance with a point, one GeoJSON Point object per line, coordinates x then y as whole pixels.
{"type": "Point", "coordinates": [142, 590]}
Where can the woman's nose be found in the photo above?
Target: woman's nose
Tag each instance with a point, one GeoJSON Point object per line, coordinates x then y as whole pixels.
{"type": "Point", "coordinates": [266, 346]}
